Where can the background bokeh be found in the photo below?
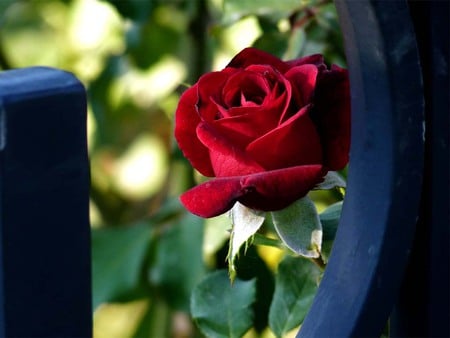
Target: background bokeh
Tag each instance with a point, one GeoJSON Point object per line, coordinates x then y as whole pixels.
{"type": "Point", "coordinates": [135, 58]}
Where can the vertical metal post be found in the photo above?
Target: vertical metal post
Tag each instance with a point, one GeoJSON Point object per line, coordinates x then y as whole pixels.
{"type": "Point", "coordinates": [45, 285]}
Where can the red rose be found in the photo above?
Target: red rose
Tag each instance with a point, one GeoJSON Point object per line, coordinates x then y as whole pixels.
{"type": "Point", "coordinates": [267, 130]}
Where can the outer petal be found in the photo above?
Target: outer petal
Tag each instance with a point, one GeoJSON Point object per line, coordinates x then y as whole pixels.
{"type": "Point", "coordinates": [268, 191]}
{"type": "Point", "coordinates": [315, 59]}
{"type": "Point", "coordinates": [303, 81]}
{"type": "Point", "coordinates": [186, 121]}
{"type": "Point", "coordinates": [253, 56]}
{"type": "Point", "coordinates": [213, 197]}
{"type": "Point", "coordinates": [276, 189]}
{"type": "Point", "coordinates": [226, 157]}
{"type": "Point", "coordinates": [331, 114]}
{"type": "Point", "coordinates": [295, 142]}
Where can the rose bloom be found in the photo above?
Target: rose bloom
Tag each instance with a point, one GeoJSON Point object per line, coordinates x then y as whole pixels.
{"type": "Point", "coordinates": [268, 131]}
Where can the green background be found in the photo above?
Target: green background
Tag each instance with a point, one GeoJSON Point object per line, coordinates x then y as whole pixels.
{"type": "Point", "coordinates": [135, 58]}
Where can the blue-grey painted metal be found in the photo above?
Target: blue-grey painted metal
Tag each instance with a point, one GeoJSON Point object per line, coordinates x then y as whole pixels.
{"type": "Point", "coordinates": [423, 308]}
{"type": "Point", "coordinates": [45, 288]}
{"type": "Point", "coordinates": [365, 270]}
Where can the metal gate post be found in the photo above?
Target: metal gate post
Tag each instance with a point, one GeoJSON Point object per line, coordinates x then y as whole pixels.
{"type": "Point", "coordinates": [45, 286]}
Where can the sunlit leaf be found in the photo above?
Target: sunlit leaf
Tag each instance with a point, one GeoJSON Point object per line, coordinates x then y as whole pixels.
{"type": "Point", "coordinates": [221, 309]}
{"type": "Point", "coordinates": [217, 232]}
{"type": "Point", "coordinates": [299, 227]}
{"type": "Point", "coordinates": [295, 287]}
{"type": "Point", "coordinates": [117, 258]}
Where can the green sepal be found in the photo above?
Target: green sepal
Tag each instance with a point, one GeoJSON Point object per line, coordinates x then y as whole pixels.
{"type": "Point", "coordinates": [331, 180]}
{"type": "Point", "coordinates": [299, 227]}
{"type": "Point", "coordinates": [245, 223]}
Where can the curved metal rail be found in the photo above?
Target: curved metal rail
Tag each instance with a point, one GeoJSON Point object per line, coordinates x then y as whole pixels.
{"type": "Point", "coordinates": [375, 236]}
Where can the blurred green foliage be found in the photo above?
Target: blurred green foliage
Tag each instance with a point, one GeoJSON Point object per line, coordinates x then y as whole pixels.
{"type": "Point", "coordinates": [135, 58]}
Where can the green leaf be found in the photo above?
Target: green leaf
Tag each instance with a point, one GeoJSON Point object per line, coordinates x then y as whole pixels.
{"type": "Point", "coordinates": [151, 35]}
{"type": "Point", "coordinates": [221, 309]}
{"type": "Point", "coordinates": [274, 43]}
{"type": "Point", "coordinates": [295, 45]}
{"type": "Point", "coordinates": [133, 9]}
{"type": "Point", "coordinates": [217, 233]}
{"type": "Point", "coordinates": [4, 5]}
{"type": "Point", "coordinates": [117, 258]}
{"type": "Point", "coordinates": [331, 180]}
{"type": "Point", "coordinates": [178, 263]}
{"type": "Point", "coordinates": [299, 227]}
{"type": "Point", "coordinates": [250, 266]}
{"type": "Point", "coordinates": [295, 287]}
{"type": "Point", "coordinates": [236, 9]}
{"type": "Point", "coordinates": [156, 320]}
{"type": "Point", "coordinates": [330, 221]}
{"type": "Point", "coordinates": [246, 223]}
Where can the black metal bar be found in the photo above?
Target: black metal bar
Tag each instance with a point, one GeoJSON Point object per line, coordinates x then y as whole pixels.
{"type": "Point", "coordinates": [375, 235]}
{"type": "Point", "coordinates": [45, 288]}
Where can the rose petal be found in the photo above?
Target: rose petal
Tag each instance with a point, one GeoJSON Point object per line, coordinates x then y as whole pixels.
{"type": "Point", "coordinates": [276, 189]}
{"type": "Point", "coordinates": [250, 124]}
{"type": "Point", "coordinates": [253, 56]}
{"type": "Point", "coordinates": [226, 157]}
{"type": "Point", "coordinates": [252, 85]}
{"type": "Point", "coordinates": [212, 198]}
{"type": "Point", "coordinates": [315, 59]}
{"type": "Point", "coordinates": [267, 191]}
{"type": "Point", "coordinates": [295, 142]}
{"type": "Point", "coordinates": [186, 121]}
{"type": "Point", "coordinates": [281, 88]}
{"type": "Point", "coordinates": [210, 88]}
{"type": "Point", "coordinates": [331, 114]}
{"type": "Point", "coordinates": [303, 81]}
{"type": "Point", "coordinates": [248, 102]}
